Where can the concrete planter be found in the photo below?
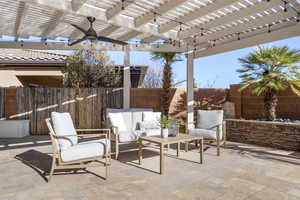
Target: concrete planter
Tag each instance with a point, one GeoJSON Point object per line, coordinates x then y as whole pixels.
{"type": "Point", "coordinates": [272, 134]}
{"type": "Point", "coordinates": [14, 128]}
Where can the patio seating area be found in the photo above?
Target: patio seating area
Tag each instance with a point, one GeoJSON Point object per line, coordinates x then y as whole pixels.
{"type": "Point", "coordinates": [146, 153]}
{"type": "Point", "coordinates": [242, 172]}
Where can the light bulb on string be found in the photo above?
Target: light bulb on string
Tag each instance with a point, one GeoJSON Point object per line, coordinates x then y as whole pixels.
{"type": "Point", "coordinates": [122, 6]}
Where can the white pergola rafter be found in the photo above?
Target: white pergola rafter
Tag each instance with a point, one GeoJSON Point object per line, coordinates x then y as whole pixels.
{"type": "Point", "coordinates": [129, 35]}
{"type": "Point", "coordinates": [117, 9]}
{"type": "Point", "coordinates": [162, 9]}
{"type": "Point", "coordinates": [202, 11]}
{"type": "Point", "coordinates": [108, 30]}
{"type": "Point", "coordinates": [21, 14]}
{"type": "Point", "coordinates": [53, 23]}
{"type": "Point", "coordinates": [241, 28]}
{"type": "Point", "coordinates": [100, 15]}
{"type": "Point", "coordinates": [263, 36]}
{"type": "Point", "coordinates": [77, 4]}
{"type": "Point", "coordinates": [234, 16]}
{"type": "Point", "coordinates": [151, 38]}
{"type": "Point", "coordinates": [58, 15]}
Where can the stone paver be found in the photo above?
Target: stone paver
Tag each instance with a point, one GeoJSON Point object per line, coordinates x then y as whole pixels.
{"type": "Point", "coordinates": [242, 173]}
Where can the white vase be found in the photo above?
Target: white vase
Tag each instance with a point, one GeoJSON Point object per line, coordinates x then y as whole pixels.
{"type": "Point", "coordinates": [164, 133]}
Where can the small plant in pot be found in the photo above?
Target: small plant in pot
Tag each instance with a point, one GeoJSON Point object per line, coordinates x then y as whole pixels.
{"type": "Point", "coordinates": [165, 124]}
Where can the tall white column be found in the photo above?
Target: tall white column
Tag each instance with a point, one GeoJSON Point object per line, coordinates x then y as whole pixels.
{"type": "Point", "coordinates": [126, 78]}
{"type": "Point", "coordinates": [190, 90]}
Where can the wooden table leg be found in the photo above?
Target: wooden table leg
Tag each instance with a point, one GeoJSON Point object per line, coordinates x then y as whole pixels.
{"type": "Point", "coordinates": [161, 159]}
{"type": "Point", "coordinates": [178, 149]}
{"type": "Point", "coordinates": [140, 151]}
{"type": "Point", "coordinates": [201, 150]}
{"type": "Point", "coordinates": [186, 146]}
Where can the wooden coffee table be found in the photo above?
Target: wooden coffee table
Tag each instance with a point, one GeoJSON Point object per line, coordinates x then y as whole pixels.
{"type": "Point", "coordinates": [181, 138]}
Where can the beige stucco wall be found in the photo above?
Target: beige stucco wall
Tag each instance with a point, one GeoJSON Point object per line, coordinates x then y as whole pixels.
{"type": "Point", "coordinates": [8, 77]}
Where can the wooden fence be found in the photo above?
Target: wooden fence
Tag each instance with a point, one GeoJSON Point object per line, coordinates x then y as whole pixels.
{"type": "Point", "coordinates": [2, 111]}
{"type": "Point", "coordinates": [86, 106]}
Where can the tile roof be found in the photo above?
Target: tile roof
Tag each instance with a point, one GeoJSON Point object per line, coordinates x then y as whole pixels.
{"type": "Point", "coordinates": [30, 56]}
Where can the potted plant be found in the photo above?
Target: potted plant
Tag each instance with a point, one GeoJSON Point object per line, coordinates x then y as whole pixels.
{"type": "Point", "coordinates": [165, 124]}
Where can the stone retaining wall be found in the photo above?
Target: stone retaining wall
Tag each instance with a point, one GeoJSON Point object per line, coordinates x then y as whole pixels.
{"type": "Point", "coordinates": [272, 134]}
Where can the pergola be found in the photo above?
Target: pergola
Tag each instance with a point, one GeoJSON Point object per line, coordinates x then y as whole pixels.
{"type": "Point", "coordinates": [197, 28]}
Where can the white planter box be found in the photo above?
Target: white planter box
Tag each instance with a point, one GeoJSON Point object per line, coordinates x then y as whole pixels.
{"type": "Point", "coordinates": [14, 128]}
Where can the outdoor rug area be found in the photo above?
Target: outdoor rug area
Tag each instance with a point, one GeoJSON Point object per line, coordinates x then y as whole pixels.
{"type": "Point", "coordinates": [242, 172]}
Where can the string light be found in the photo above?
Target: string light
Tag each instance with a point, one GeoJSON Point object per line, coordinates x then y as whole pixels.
{"type": "Point", "coordinates": [195, 40]}
{"type": "Point", "coordinates": [154, 19]}
{"type": "Point", "coordinates": [180, 28]}
{"type": "Point", "coordinates": [239, 38]}
{"type": "Point", "coordinates": [285, 6]}
{"type": "Point", "coordinates": [202, 32]}
{"type": "Point", "coordinates": [123, 6]}
{"type": "Point", "coordinates": [214, 43]}
{"type": "Point", "coordinates": [269, 28]}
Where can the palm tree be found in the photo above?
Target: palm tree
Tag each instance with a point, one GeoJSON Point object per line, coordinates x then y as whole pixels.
{"type": "Point", "coordinates": [267, 71]}
{"type": "Point", "coordinates": [167, 58]}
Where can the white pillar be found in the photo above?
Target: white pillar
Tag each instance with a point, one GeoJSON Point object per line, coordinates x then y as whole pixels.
{"type": "Point", "coordinates": [126, 79]}
{"type": "Point", "coordinates": [190, 90]}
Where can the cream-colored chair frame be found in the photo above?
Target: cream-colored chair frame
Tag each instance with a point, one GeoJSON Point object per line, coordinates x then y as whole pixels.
{"type": "Point", "coordinates": [219, 141]}
{"type": "Point", "coordinates": [116, 139]}
{"type": "Point", "coordinates": [57, 162]}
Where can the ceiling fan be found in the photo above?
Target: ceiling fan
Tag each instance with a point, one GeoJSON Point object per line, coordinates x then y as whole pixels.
{"type": "Point", "coordinates": [91, 35]}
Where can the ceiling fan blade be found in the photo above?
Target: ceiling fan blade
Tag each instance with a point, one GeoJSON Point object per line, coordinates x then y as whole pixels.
{"type": "Point", "coordinates": [77, 41]}
{"type": "Point", "coordinates": [79, 28]}
{"type": "Point", "coordinates": [106, 39]}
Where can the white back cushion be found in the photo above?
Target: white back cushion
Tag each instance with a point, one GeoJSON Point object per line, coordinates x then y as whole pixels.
{"type": "Point", "coordinates": [209, 118]}
{"type": "Point", "coordinates": [63, 125]}
{"type": "Point", "coordinates": [137, 117]}
{"type": "Point", "coordinates": [151, 116]}
{"type": "Point", "coordinates": [122, 120]}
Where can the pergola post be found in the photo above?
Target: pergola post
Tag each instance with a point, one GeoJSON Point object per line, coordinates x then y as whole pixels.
{"type": "Point", "coordinates": [190, 90]}
{"type": "Point", "coordinates": [126, 79]}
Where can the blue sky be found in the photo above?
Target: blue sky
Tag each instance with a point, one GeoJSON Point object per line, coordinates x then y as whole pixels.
{"type": "Point", "coordinates": [218, 71]}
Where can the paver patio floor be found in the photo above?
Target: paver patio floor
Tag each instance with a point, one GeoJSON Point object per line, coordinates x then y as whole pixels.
{"type": "Point", "coordinates": [243, 172]}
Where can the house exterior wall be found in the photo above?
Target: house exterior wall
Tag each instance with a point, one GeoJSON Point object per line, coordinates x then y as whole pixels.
{"type": "Point", "coordinates": [9, 76]}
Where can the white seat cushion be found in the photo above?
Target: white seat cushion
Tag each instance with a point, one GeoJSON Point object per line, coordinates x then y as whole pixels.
{"type": "Point", "coordinates": [206, 134]}
{"type": "Point", "coordinates": [128, 136]}
{"type": "Point", "coordinates": [84, 150]}
{"type": "Point", "coordinates": [101, 141]}
{"type": "Point", "coordinates": [63, 125]}
{"type": "Point", "coordinates": [153, 132]}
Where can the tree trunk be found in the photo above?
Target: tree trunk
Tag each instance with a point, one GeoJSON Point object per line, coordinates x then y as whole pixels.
{"type": "Point", "coordinates": [167, 81]}
{"type": "Point", "coordinates": [270, 103]}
